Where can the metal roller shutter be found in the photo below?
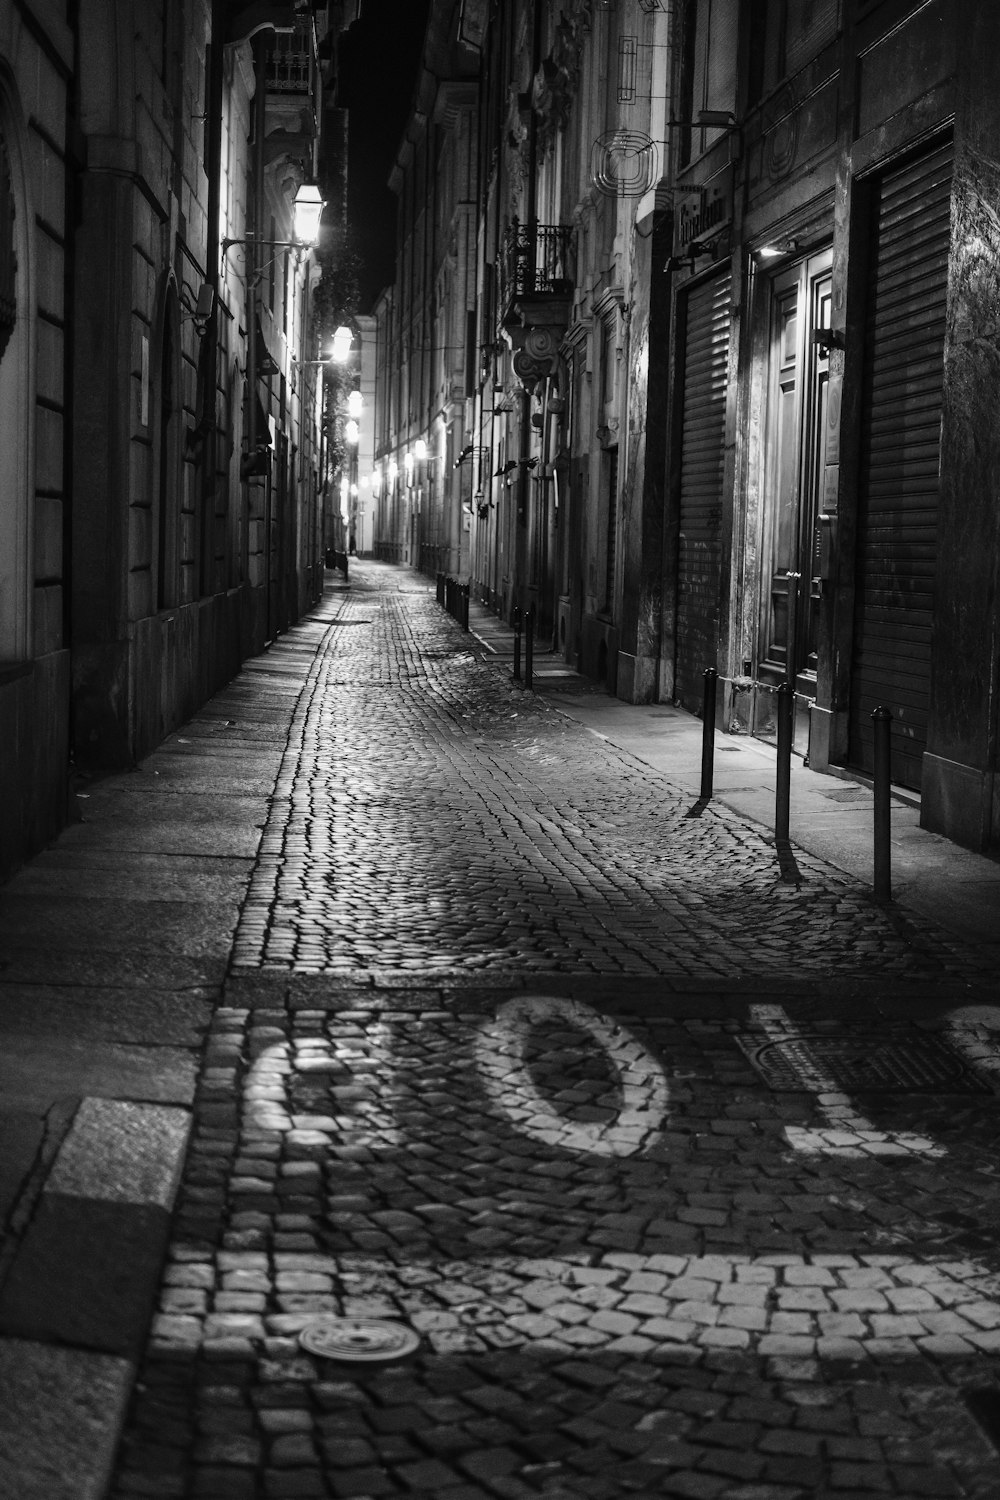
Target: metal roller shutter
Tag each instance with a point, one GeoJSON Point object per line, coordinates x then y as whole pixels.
{"type": "Point", "coordinates": [900, 461]}
{"type": "Point", "coordinates": [703, 436]}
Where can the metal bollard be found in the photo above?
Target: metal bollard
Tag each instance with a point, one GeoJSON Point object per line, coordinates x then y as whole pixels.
{"type": "Point", "coordinates": [882, 725]}
{"type": "Point", "coordinates": [783, 779]}
{"type": "Point", "coordinates": [440, 588]}
{"type": "Point", "coordinates": [516, 622]}
{"type": "Point", "coordinates": [529, 646]}
{"type": "Point", "coordinates": [465, 606]}
{"type": "Point", "coordinates": [708, 732]}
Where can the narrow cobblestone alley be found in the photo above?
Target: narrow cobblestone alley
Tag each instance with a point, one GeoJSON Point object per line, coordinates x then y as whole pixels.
{"type": "Point", "coordinates": [683, 1173]}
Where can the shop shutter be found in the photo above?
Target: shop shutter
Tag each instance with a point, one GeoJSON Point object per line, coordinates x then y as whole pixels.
{"type": "Point", "coordinates": [703, 435]}
{"type": "Point", "coordinates": [900, 460]}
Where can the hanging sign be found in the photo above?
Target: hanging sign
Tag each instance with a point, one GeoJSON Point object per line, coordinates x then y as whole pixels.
{"type": "Point", "coordinates": [704, 210]}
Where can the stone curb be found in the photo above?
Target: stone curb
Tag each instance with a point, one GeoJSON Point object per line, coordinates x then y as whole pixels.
{"type": "Point", "coordinates": [77, 1300]}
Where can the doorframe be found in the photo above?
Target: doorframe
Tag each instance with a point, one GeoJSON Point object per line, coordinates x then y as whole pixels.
{"type": "Point", "coordinates": [812, 265]}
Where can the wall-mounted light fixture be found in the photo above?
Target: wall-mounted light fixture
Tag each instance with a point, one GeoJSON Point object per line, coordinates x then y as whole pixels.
{"type": "Point", "coordinates": [352, 432]}
{"type": "Point", "coordinates": [420, 450]}
{"type": "Point", "coordinates": [343, 338]}
{"type": "Point", "coordinates": [774, 249]}
{"type": "Point", "coordinates": [307, 210]}
{"type": "Point", "coordinates": [355, 403]}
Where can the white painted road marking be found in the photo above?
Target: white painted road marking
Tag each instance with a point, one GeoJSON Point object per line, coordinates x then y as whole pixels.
{"type": "Point", "coordinates": [847, 1132]}
{"type": "Point", "coordinates": [500, 1048]}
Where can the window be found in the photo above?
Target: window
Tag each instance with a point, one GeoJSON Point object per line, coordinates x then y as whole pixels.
{"type": "Point", "coordinates": [785, 36]}
{"type": "Point", "coordinates": [608, 362]}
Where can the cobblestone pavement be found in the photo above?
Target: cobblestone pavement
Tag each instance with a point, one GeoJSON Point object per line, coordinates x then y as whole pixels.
{"type": "Point", "coordinates": [683, 1172]}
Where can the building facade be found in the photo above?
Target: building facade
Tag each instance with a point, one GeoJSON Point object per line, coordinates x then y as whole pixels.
{"type": "Point", "coordinates": [732, 363]}
{"type": "Point", "coordinates": [161, 418]}
{"type": "Point", "coordinates": [39, 158]}
{"type": "Point", "coordinates": [834, 518]}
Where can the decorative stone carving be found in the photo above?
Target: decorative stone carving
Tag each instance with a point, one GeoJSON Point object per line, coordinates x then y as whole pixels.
{"type": "Point", "coordinates": [555, 85]}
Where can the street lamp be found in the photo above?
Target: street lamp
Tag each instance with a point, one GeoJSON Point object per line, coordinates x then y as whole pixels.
{"type": "Point", "coordinates": [307, 210]}
{"type": "Point", "coordinates": [342, 341]}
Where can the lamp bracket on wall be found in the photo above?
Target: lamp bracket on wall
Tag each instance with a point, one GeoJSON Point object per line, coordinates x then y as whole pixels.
{"type": "Point", "coordinates": [827, 339]}
{"type": "Point", "coordinates": [693, 252]}
{"type": "Point", "coordinates": [259, 271]}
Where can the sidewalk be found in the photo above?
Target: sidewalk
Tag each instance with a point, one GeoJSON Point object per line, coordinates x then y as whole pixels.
{"type": "Point", "coordinates": [831, 816]}
{"type": "Point", "coordinates": [114, 948]}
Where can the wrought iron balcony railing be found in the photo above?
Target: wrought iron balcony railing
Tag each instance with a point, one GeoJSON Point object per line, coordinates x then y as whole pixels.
{"type": "Point", "coordinates": [289, 68]}
{"type": "Point", "coordinates": [536, 261]}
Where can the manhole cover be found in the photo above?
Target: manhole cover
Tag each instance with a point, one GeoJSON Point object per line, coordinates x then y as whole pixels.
{"type": "Point", "coordinates": [862, 1064]}
{"type": "Point", "coordinates": [369, 1340]}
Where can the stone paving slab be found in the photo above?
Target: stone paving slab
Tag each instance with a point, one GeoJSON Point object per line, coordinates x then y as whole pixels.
{"type": "Point", "coordinates": [137, 877]}
{"type": "Point", "coordinates": [204, 929]}
{"type": "Point", "coordinates": [147, 1017]}
{"type": "Point", "coordinates": [84, 1270]}
{"type": "Point", "coordinates": [62, 1410]}
{"type": "Point", "coordinates": [87, 966]}
{"type": "Point", "coordinates": [71, 1066]}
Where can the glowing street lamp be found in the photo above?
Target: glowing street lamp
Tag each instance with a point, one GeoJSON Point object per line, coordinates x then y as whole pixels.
{"type": "Point", "coordinates": [307, 210]}
{"type": "Point", "coordinates": [420, 450]}
{"type": "Point", "coordinates": [355, 403]}
{"type": "Point", "coordinates": [342, 340]}
{"type": "Point", "coordinates": [352, 432]}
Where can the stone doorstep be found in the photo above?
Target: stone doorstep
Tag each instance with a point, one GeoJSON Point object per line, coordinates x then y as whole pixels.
{"type": "Point", "coordinates": [76, 1304]}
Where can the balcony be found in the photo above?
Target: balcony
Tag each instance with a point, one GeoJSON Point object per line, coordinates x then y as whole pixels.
{"type": "Point", "coordinates": [535, 276]}
{"type": "Point", "coordinates": [289, 67]}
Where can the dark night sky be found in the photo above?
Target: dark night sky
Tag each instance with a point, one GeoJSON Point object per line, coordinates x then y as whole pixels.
{"type": "Point", "coordinates": [378, 72]}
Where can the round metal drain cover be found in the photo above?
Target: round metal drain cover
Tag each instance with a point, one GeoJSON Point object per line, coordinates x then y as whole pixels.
{"type": "Point", "coordinates": [369, 1340]}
